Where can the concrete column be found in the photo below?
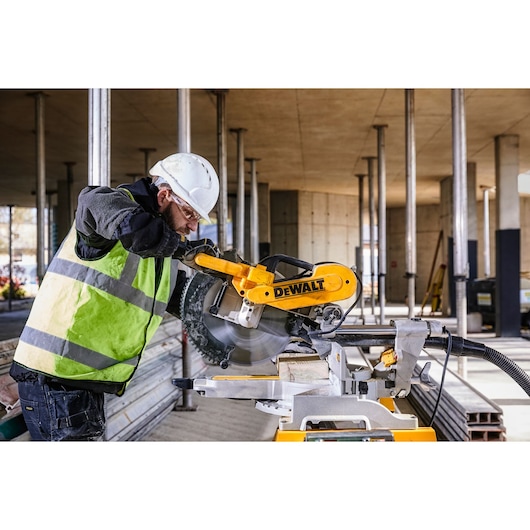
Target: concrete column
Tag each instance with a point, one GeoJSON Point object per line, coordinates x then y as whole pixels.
{"type": "Point", "coordinates": [507, 237]}
{"type": "Point", "coordinates": [222, 203]}
{"type": "Point", "coordinates": [147, 158]}
{"type": "Point", "coordinates": [460, 225]}
{"type": "Point", "coordinates": [486, 230]}
{"type": "Point", "coordinates": [371, 201]}
{"type": "Point", "coordinates": [10, 247]}
{"type": "Point", "coordinates": [264, 220]}
{"type": "Point", "coordinates": [53, 244]}
{"type": "Point", "coordinates": [66, 206]}
{"type": "Point", "coordinates": [381, 218]}
{"type": "Point", "coordinates": [183, 121]}
{"type": "Point", "coordinates": [410, 206]}
{"type": "Point", "coordinates": [446, 224]}
{"type": "Point", "coordinates": [254, 213]}
{"type": "Point", "coordinates": [360, 253]}
{"type": "Point", "coordinates": [183, 146]}
{"type": "Point", "coordinates": [62, 214]}
{"type": "Point", "coordinates": [40, 154]}
{"type": "Point", "coordinates": [70, 203]}
{"type": "Point", "coordinates": [240, 209]}
{"type": "Point", "coordinates": [472, 221]}
{"type": "Point", "coordinates": [99, 137]}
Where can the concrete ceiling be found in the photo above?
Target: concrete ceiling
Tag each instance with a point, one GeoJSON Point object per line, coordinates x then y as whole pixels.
{"type": "Point", "coordinates": [306, 139]}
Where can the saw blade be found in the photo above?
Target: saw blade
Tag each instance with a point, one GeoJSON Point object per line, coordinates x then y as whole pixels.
{"type": "Point", "coordinates": [219, 339]}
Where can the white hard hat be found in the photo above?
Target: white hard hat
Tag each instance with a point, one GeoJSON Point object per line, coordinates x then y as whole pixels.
{"type": "Point", "coordinates": [192, 178]}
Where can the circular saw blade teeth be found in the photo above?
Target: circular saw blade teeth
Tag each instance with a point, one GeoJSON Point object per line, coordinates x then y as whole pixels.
{"type": "Point", "coordinates": [191, 310]}
{"type": "Point", "coordinates": [218, 339]}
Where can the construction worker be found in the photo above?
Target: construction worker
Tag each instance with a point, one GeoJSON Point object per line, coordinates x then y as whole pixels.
{"type": "Point", "coordinates": [105, 293]}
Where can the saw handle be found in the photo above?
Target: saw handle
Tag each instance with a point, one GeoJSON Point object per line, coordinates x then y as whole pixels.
{"type": "Point", "coordinates": [271, 262]}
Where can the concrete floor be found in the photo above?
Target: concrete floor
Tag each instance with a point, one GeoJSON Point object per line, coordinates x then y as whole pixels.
{"type": "Point", "coordinates": [12, 321]}
{"type": "Point", "coordinates": [218, 419]}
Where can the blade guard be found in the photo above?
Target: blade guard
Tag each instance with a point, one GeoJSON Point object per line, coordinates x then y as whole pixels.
{"type": "Point", "coordinates": [329, 282]}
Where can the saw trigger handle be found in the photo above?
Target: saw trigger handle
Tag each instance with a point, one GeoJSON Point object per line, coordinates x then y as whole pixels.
{"type": "Point", "coordinates": [271, 262]}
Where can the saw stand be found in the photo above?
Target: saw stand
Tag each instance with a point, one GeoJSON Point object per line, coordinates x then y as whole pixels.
{"type": "Point", "coordinates": [324, 396]}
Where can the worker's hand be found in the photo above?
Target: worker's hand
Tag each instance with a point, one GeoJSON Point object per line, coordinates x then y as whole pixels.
{"type": "Point", "coordinates": [206, 246]}
{"type": "Point", "coordinates": [189, 248]}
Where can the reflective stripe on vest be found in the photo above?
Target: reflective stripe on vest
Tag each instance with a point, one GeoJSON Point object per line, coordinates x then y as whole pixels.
{"type": "Point", "coordinates": [92, 319]}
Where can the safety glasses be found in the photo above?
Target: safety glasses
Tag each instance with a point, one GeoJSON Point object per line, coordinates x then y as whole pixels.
{"type": "Point", "coordinates": [187, 211]}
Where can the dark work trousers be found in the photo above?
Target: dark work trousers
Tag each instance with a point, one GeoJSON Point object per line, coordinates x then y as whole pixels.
{"type": "Point", "coordinates": [54, 412]}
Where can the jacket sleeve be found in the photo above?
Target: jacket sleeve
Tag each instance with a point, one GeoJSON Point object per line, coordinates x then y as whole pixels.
{"type": "Point", "coordinates": [105, 215]}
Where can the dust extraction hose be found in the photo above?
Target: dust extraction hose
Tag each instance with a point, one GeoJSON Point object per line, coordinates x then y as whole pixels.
{"type": "Point", "coordinates": [467, 348]}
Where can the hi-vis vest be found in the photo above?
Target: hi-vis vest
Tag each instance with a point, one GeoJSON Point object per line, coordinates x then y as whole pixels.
{"type": "Point", "coordinates": [91, 320]}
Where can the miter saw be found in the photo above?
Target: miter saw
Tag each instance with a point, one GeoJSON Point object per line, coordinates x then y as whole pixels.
{"type": "Point", "coordinates": [324, 387]}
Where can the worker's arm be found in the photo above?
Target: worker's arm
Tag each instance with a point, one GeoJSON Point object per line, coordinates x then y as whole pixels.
{"type": "Point", "coordinates": [105, 215]}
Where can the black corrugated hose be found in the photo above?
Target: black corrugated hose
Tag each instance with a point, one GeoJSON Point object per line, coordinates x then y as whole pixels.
{"type": "Point", "coordinates": [467, 348]}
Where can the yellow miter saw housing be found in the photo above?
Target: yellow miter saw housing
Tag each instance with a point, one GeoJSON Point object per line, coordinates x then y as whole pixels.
{"type": "Point", "coordinates": [327, 282]}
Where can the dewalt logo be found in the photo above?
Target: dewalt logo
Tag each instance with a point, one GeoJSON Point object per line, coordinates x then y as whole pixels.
{"type": "Point", "coordinates": [299, 288]}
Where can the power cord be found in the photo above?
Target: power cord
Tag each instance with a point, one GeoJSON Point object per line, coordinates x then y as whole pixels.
{"type": "Point", "coordinates": [343, 318]}
{"type": "Point", "coordinates": [448, 353]}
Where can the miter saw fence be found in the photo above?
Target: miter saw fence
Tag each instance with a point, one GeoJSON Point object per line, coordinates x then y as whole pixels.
{"type": "Point", "coordinates": [237, 313]}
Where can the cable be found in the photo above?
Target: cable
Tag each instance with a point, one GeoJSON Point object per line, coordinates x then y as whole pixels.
{"type": "Point", "coordinates": [467, 348]}
{"type": "Point", "coordinates": [343, 318]}
{"type": "Point", "coordinates": [447, 354]}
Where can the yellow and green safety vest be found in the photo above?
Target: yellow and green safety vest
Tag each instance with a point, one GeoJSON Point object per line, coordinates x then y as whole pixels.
{"type": "Point", "coordinates": [91, 320]}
